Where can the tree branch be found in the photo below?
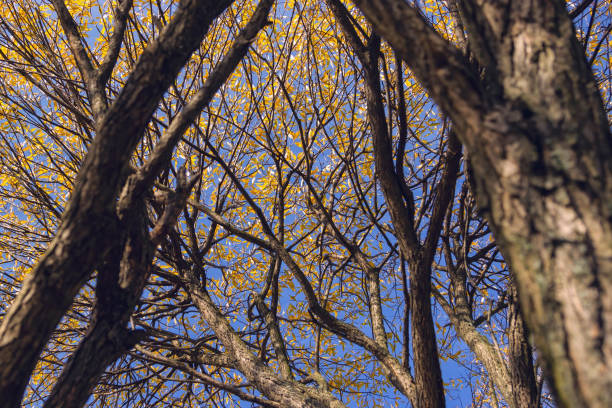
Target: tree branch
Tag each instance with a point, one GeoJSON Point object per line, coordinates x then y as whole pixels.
{"type": "Point", "coordinates": [89, 227]}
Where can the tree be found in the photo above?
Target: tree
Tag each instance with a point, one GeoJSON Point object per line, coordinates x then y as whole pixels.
{"type": "Point", "coordinates": [210, 202]}
{"type": "Point", "coordinates": [539, 140]}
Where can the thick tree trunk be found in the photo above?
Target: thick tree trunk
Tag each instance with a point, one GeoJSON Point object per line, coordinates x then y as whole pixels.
{"type": "Point", "coordinates": [102, 345]}
{"type": "Point", "coordinates": [540, 146]}
{"type": "Point", "coordinates": [119, 285]}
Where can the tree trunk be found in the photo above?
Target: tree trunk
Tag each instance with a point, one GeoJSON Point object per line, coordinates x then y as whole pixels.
{"type": "Point", "coordinates": [520, 357]}
{"type": "Point", "coordinates": [540, 144]}
{"type": "Point", "coordinates": [119, 285]}
{"type": "Point", "coordinates": [427, 372]}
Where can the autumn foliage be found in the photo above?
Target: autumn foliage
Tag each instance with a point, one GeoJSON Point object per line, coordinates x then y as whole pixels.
{"type": "Point", "coordinates": [258, 203]}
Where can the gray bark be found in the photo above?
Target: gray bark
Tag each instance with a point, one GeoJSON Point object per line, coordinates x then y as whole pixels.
{"type": "Point", "coordinates": [540, 144]}
{"type": "Point", "coordinates": [285, 391]}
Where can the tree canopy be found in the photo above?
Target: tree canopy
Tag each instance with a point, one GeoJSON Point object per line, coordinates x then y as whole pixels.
{"type": "Point", "coordinates": [305, 203]}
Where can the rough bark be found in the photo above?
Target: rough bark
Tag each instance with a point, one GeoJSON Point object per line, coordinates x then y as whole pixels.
{"type": "Point", "coordinates": [102, 345]}
{"type": "Point", "coordinates": [207, 379]}
{"type": "Point", "coordinates": [485, 352]}
{"type": "Point", "coordinates": [520, 357]}
{"type": "Point", "coordinates": [286, 392]}
{"type": "Point", "coordinates": [89, 226]}
{"type": "Point", "coordinates": [119, 284]}
{"type": "Point", "coordinates": [539, 141]}
{"type": "Point", "coordinates": [427, 372]}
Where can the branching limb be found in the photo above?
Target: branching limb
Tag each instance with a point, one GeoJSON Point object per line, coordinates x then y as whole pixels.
{"type": "Point", "coordinates": [89, 227]}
